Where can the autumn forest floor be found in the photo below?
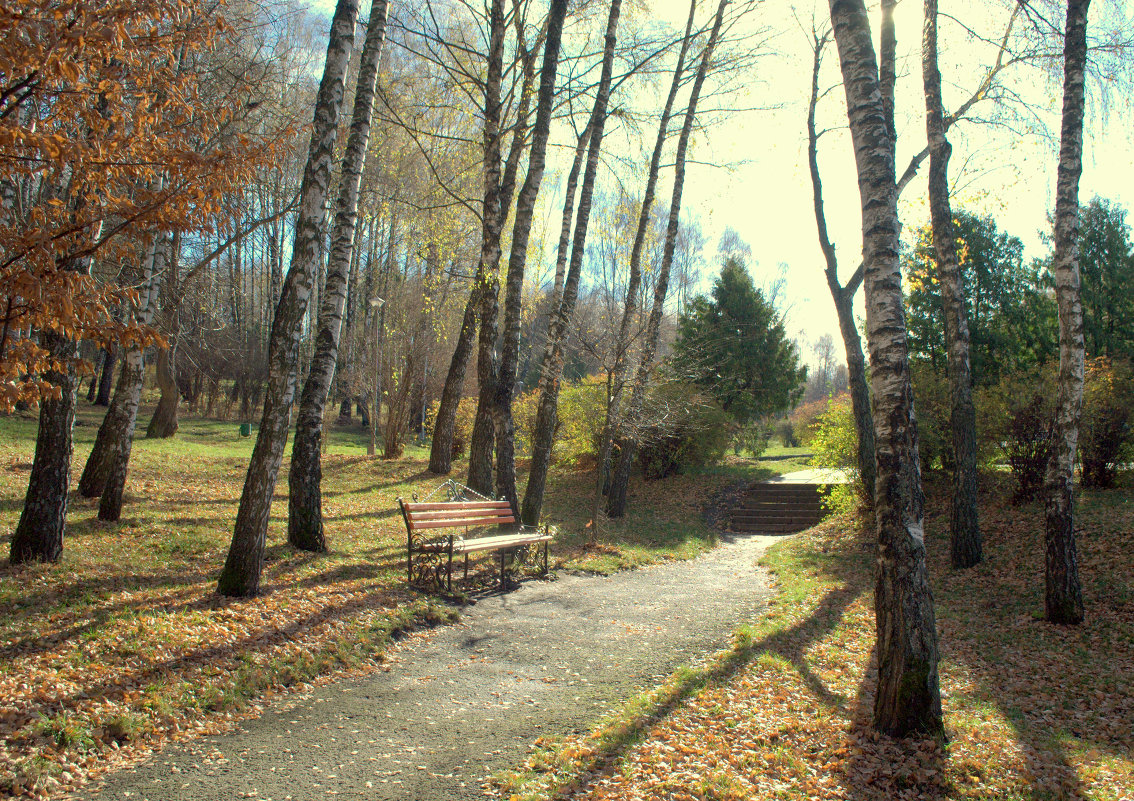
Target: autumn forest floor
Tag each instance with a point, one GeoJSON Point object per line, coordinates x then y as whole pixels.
{"type": "Point", "coordinates": [1033, 711]}
{"type": "Point", "coordinates": [124, 645]}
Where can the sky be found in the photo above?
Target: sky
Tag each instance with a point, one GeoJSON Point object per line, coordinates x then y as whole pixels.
{"type": "Point", "coordinates": [765, 192]}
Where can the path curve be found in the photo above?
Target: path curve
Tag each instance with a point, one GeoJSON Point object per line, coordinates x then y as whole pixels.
{"type": "Point", "coordinates": [458, 703]}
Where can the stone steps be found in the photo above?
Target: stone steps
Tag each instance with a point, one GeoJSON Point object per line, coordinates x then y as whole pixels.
{"type": "Point", "coordinates": [777, 508]}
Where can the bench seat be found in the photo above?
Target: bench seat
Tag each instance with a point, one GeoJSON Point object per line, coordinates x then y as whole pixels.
{"type": "Point", "coordinates": [430, 550]}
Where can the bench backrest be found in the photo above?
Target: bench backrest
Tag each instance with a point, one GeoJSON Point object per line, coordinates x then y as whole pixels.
{"type": "Point", "coordinates": [455, 514]}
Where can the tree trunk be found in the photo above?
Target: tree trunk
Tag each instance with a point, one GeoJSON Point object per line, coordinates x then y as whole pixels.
{"type": "Point", "coordinates": [964, 529]}
{"type": "Point", "coordinates": [552, 367]}
{"type": "Point", "coordinates": [121, 440]}
{"type": "Point", "coordinates": [39, 534]}
{"type": "Point", "coordinates": [634, 281]}
{"type": "Point", "coordinates": [517, 262]}
{"type": "Point", "coordinates": [620, 480]}
{"type": "Point", "coordinates": [908, 697]}
{"type": "Point", "coordinates": [843, 297]}
{"type": "Point", "coordinates": [499, 186]}
{"type": "Point", "coordinates": [1063, 596]}
{"type": "Point", "coordinates": [305, 499]}
{"type": "Point", "coordinates": [441, 450]}
{"type": "Point", "coordinates": [164, 423]}
{"type": "Point", "coordinates": [92, 390]}
{"type": "Point", "coordinates": [117, 421]}
{"type": "Point", "coordinates": [106, 380]}
{"type": "Point", "coordinates": [241, 574]}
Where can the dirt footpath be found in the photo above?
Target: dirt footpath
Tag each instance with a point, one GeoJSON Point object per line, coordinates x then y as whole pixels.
{"type": "Point", "coordinates": [461, 702]}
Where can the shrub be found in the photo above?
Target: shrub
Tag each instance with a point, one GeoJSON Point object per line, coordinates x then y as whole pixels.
{"type": "Point", "coordinates": [680, 428]}
{"type": "Point", "coordinates": [786, 432]}
{"type": "Point", "coordinates": [1104, 432]}
{"type": "Point", "coordinates": [582, 413]}
{"type": "Point", "coordinates": [1019, 417]}
{"type": "Point", "coordinates": [752, 438]}
{"type": "Point", "coordinates": [835, 445]}
{"type": "Point", "coordinates": [932, 407]}
{"type": "Point", "coordinates": [801, 423]}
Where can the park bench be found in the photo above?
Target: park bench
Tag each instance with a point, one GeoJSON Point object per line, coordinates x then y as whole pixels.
{"type": "Point", "coordinates": [439, 530]}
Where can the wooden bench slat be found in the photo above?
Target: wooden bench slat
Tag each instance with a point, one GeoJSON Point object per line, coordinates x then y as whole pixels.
{"type": "Point", "coordinates": [460, 514]}
{"type": "Point", "coordinates": [455, 505]}
{"type": "Point", "coordinates": [497, 543]}
{"type": "Point", "coordinates": [465, 521]}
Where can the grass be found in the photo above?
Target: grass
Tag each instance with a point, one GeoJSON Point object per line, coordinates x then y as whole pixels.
{"type": "Point", "coordinates": [1032, 711]}
{"type": "Point", "coordinates": [124, 644]}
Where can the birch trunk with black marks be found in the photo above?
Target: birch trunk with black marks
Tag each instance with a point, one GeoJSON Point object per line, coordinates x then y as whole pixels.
{"type": "Point", "coordinates": [486, 284]}
{"type": "Point", "coordinates": [121, 441]}
{"type": "Point", "coordinates": [551, 370]}
{"type": "Point", "coordinates": [564, 246]}
{"type": "Point", "coordinates": [121, 414]}
{"type": "Point", "coordinates": [305, 497]}
{"type": "Point", "coordinates": [964, 525]}
{"type": "Point", "coordinates": [620, 480]}
{"type": "Point", "coordinates": [517, 262]}
{"type": "Point", "coordinates": [1063, 595]}
{"type": "Point", "coordinates": [634, 280]}
{"type": "Point", "coordinates": [39, 533]}
{"type": "Point", "coordinates": [241, 574]}
{"type": "Point", "coordinates": [908, 696]}
{"type": "Point", "coordinates": [843, 297]}
{"type": "Point", "coordinates": [483, 438]}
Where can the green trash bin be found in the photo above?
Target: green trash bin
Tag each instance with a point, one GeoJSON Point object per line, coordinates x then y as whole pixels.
{"type": "Point", "coordinates": [245, 429]}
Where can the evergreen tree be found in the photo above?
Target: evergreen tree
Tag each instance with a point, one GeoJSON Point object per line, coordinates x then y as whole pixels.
{"type": "Point", "coordinates": [733, 344]}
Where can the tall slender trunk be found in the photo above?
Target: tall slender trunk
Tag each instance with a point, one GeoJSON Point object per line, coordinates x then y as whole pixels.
{"type": "Point", "coordinates": [120, 416]}
{"type": "Point", "coordinates": [498, 196]}
{"type": "Point", "coordinates": [634, 280]}
{"type": "Point", "coordinates": [106, 380]}
{"type": "Point", "coordinates": [1063, 595]}
{"type": "Point", "coordinates": [908, 696]}
{"type": "Point", "coordinates": [517, 262]}
{"type": "Point", "coordinates": [305, 497]}
{"type": "Point", "coordinates": [441, 449]}
{"type": "Point", "coordinates": [133, 372]}
{"type": "Point", "coordinates": [564, 246]}
{"type": "Point", "coordinates": [164, 424]}
{"type": "Point", "coordinates": [620, 480]}
{"type": "Point", "coordinates": [39, 533]}
{"type": "Point", "coordinates": [964, 529]}
{"type": "Point", "coordinates": [552, 367]}
{"type": "Point", "coordinates": [92, 389]}
{"type": "Point", "coordinates": [843, 297]}
{"type": "Point", "coordinates": [241, 574]}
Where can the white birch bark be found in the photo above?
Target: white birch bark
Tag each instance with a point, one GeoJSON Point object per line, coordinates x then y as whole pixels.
{"type": "Point", "coordinates": [1063, 595]}
{"type": "Point", "coordinates": [908, 697]}
{"type": "Point", "coordinates": [241, 574]}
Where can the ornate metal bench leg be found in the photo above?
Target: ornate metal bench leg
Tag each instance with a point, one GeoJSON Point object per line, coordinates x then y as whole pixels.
{"type": "Point", "coordinates": [545, 558]}
{"type": "Point", "coordinates": [466, 567]}
{"type": "Point", "coordinates": [503, 586]}
{"type": "Point", "coordinates": [449, 568]}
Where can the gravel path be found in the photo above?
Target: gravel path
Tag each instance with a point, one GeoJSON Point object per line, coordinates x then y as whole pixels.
{"type": "Point", "coordinates": [460, 702]}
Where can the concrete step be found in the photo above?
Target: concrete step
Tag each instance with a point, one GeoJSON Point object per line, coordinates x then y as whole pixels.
{"type": "Point", "coordinates": [777, 508]}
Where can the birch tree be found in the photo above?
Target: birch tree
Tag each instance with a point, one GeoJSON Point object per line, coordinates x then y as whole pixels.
{"type": "Point", "coordinates": [241, 574]}
{"type": "Point", "coordinates": [622, 343]}
{"type": "Point", "coordinates": [964, 525]}
{"type": "Point", "coordinates": [908, 697]}
{"type": "Point", "coordinates": [1063, 596]}
{"type": "Point", "coordinates": [305, 499]}
{"type": "Point", "coordinates": [517, 261]}
{"type": "Point", "coordinates": [552, 367]}
{"type": "Point", "coordinates": [620, 480]}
